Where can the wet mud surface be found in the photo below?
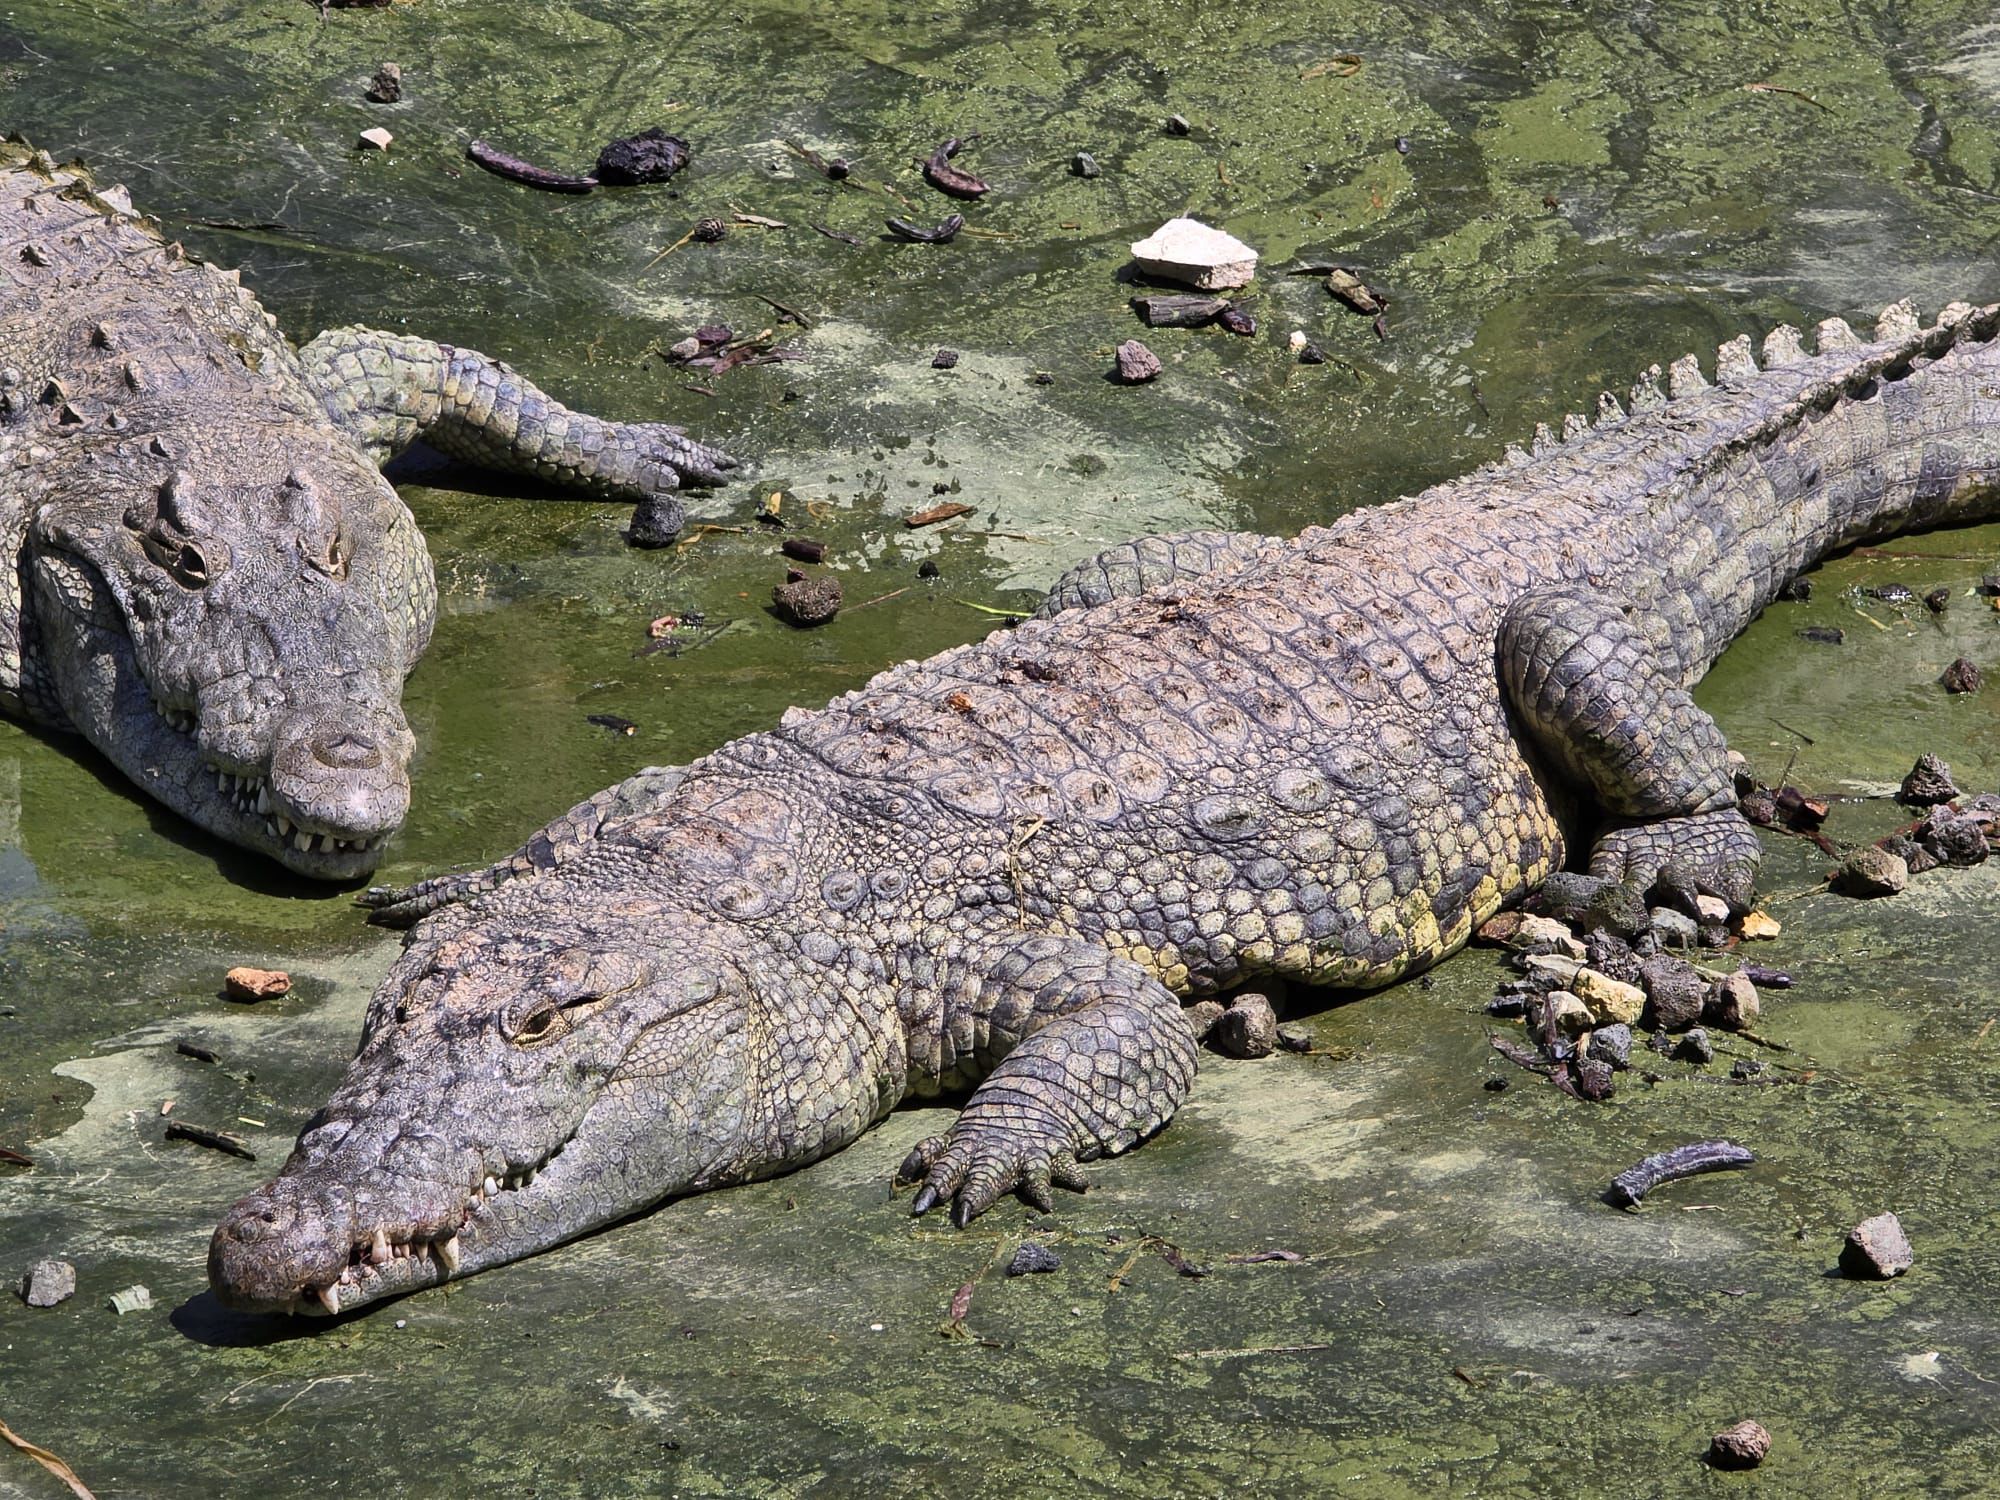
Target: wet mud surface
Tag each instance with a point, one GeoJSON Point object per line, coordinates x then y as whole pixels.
{"type": "Point", "coordinates": [1582, 195]}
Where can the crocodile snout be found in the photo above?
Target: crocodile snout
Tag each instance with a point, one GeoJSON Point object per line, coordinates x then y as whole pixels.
{"type": "Point", "coordinates": [276, 1246]}
{"type": "Point", "coordinates": [342, 774]}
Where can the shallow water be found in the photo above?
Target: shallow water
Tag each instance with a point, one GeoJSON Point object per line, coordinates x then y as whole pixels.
{"type": "Point", "coordinates": [1585, 192]}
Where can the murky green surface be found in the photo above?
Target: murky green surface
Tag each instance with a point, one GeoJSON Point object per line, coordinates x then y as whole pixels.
{"type": "Point", "coordinates": [1586, 191]}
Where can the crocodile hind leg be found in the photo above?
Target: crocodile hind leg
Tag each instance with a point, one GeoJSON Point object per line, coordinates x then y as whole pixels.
{"type": "Point", "coordinates": [1084, 1055]}
{"type": "Point", "coordinates": [1588, 685]}
{"type": "Point", "coordinates": [551, 848]}
{"type": "Point", "coordinates": [386, 391]}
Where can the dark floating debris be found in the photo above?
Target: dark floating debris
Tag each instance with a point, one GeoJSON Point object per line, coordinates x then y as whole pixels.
{"type": "Point", "coordinates": [1938, 600]}
{"type": "Point", "coordinates": [928, 568]}
{"type": "Point", "coordinates": [215, 1140]}
{"type": "Point", "coordinates": [942, 233]}
{"type": "Point", "coordinates": [1743, 1446]}
{"type": "Point", "coordinates": [1356, 293]}
{"type": "Point", "coordinates": [803, 549]}
{"type": "Point", "coordinates": [199, 1054]}
{"type": "Point", "coordinates": [1766, 977]}
{"type": "Point", "coordinates": [1178, 125]}
{"type": "Point", "coordinates": [1136, 363]}
{"type": "Point", "coordinates": [1312, 354]}
{"type": "Point", "coordinates": [612, 722]}
{"type": "Point", "coordinates": [952, 181]}
{"type": "Point", "coordinates": [945, 359]}
{"type": "Point", "coordinates": [1083, 164]}
{"type": "Point", "coordinates": [650, 156]}
{"type": "Point", "coordinates": [1798, 591]}
{"type": "Point", "coordinates": [1961, 677]}
{"type": "Point", "coordinates": [806, 600]}
{"type": "Point", "coordinates": [1632, 1184]}
{"type": "Point", "coordinates": [386, 87]}
{"type": "Point", "coordinates": [1877, 1250]}
{"type": "Point", "coordinates": [1179, 311]}
{"type": "Point", "coordinates": [1823, 635]}
{"type": "Point", "coordinates": [513, 168]}
{"type": "Point", "coordinates": [1033, 1259]}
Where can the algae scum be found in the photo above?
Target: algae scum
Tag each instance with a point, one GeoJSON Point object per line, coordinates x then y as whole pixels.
{"type": "Point", "coordinates": [1580, 196]}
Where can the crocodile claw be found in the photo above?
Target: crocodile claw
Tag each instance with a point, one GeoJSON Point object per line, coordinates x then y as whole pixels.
{"type": "Point", "coordinates": [974, 1168]}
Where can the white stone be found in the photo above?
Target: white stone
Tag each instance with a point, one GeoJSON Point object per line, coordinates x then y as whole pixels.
{"type": "Point", "coordinates": [377, 139]}
{"type": "Point", "coordinates": [1187, 250]}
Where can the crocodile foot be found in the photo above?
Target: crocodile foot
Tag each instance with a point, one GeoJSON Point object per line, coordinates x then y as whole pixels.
{"type": "Point", "coordinates": [975, 1162]}
{"type": "Point", "coordinates": [1711, 853]}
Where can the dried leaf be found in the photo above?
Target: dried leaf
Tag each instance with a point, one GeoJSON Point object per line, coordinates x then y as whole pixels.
{"type": "Point", "coordinates": [1340, 65]}
{"type": "Point", "coordinates": [1355, 292]}
{"type": "Point", "coordinates": [48, 1461]}
{"type": "Point", "coordinates": [945, 512]}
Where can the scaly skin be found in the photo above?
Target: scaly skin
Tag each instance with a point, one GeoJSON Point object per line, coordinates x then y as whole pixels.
{"type": "Point", "coordinates": [207, 578]}
{"type": "Point", "coordinates": [1325, 759]}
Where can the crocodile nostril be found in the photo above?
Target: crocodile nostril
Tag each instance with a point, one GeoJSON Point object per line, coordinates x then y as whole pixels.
{"type": "Point", "coordinates": [344, 750]}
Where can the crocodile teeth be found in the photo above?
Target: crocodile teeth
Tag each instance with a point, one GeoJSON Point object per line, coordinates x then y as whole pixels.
{"type": "Point", "coordinates": [1684, 377]}
{"type": "Point", "coordinates": [330, 1296]}
{"type": "Point", "coordinates": [447, 1254]}
{"type": "Point", "coordinates": [491, 1186]}
{"type": "Point", "coordinates": [263, 798]}
{"type": "Point", "coordinates": [1782, 347]}
{"type": "Point", "coordinates": [381, 1253]}
{"type": "Point", "coordinates": [302, 841]}
{"type": "Point", "coordinates": [284, 826]}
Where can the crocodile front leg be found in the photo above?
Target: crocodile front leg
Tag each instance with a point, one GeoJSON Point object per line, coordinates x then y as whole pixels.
{"type": "Point", "coordinates": [386, 391]}
{"type": "Point", "coordinates": [1587, 686]}
{"type": "Point", "coordinates": [1084, 1055]}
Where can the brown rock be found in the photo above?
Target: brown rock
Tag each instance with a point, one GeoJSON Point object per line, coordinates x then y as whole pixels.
{"type": "Point", "coordinates": [803, 600]}
{"type": "Point", "coordinates": [376, 139]}
{"type": "Point", "coordinates": [1877, 1249]}
{"type": "Point", "coordinates": [386, 87]}
{"type": "Point", "coordinates": [1249, 1028]}
{"type": "Point", "coordinates": [1740, 1447]}
{"type": "Point", "coordinates": [1136, 363]}
{"type": "Point", "coordinates": [1961, 677]}
{"type": "Point", "coordinates": [250, 985]}
{"type": "Point", "coordinates": [1676, 992]}
{"type": "Point", "coordinates": [1869, 871]}
{"type": "Point", "coordinates": [1500, 928]}
{"type": "Point", "coordinates": [1733, 1004]}
{"type": "Point", "coordinates": [1202, 1016]}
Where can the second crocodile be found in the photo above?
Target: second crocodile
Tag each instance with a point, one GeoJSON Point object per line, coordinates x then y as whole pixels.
{"type": "Point", "coordinates": [202, 571]}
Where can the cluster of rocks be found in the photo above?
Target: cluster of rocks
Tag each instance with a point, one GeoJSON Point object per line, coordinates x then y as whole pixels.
{"type": "Point", "coordinates": [1955, 831]}
{"type": "Point", "coordinates": [1247, 1026]}
{"type": "Point", "coordinates": [1598, 968]}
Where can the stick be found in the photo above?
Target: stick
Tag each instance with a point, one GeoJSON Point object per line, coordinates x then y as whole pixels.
{"type": "Point", "coordinates": [1632, 1184]}
{"type": "Point", "coordinates": [48, 1461]}
{"type": "Point", "coordinates": [1187, 1354]}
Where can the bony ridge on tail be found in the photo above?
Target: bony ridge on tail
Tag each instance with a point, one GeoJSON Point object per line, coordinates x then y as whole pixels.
{"type": "Point", "coordinates": [1003, 869]}
{"type": "Point", "coordinates": [204, 573]}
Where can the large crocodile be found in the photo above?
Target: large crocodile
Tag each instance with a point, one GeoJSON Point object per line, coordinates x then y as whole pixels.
{"type": "Point", "coordinates": [1006, 866]}
{"type": "Point", "coordinates": [202, 571]}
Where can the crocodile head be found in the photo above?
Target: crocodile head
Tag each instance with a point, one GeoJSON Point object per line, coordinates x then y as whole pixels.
{"type": "Point", "coordinates": [515, 1087]}
{"type": "Point", "coordinates": [235, 641]}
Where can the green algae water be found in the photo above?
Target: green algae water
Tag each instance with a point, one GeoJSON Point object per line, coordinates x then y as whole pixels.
{"type": "Point", "coordinates": [1552, 197]}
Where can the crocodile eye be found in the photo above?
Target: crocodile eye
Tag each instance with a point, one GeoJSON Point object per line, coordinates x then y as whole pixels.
{"type": "Point", "coordinates": [190, 566]}
{"type": "Point", "coordinates": [536, 1025]}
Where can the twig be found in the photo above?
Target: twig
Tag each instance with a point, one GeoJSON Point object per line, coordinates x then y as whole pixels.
{"type": "Point", "coordinates": [789, 312]}
{"type": "Point", "coordinates": [987, 609]}
{"type": "Point", "coordinates": [1984, 1029]}
{"type": "Point", "coordinates": [878, 599]}
{"type": "Point", "coordinates": [666, 252]}
{"type": "Point", "coordinates": [48, 1461]}
{"type": "Point", "coordinates": [1778, 88]}
{"type": "Point", "coordinates": [1187, 1354]}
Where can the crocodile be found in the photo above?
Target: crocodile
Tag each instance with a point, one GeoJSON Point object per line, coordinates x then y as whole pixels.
{"type": "Point", "coordinates": [206, 575]}
{"type": "Point", "coordinates": [1007, 868]}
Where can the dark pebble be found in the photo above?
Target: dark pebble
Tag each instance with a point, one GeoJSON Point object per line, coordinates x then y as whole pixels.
{"type": "Point", "coordinates": [928, 568]}
{"type": "Point", "coordinates": [1745, 1068]}
{"type": "Point", "coordinates": [944, 359]}
{"type": "Point", "coordinates": [1760, 807]}
{"type": "Point", "coordinates": [1961, 677]}
{"type": "Point", "coordinates": [1797, 591]}
{"type": "Point", "coordinates": [1823, 635]}
{"type": "Point", "coordinates": [839, 168]}
{"type": "Point", "coordinates": [1249, 1028]}
{"type": "Point", "coordinates": [1136, 363]}
{"type": "Point", "coordinates": [1674, 991]}
{"type": "Point", "coordinates": [1928, 783]}
{"type": "Point", "coordinates": [807, 601]}
{"type": "Point", "coordinates": [650, 156]}
{"type": "Point", "coordinates": [1594, 1080]}
{"type": "Point", "coordinates": [1612, 1045]}
{"type": "Point", "coordinates": [1695, 1047]}
{"type": "Point", "coordinates": [1938, 600]}
{"type": "Point", "coordinates": [1767, 978]}
{"type": "Point", "coordinates": [1402, 145]}
{"type": "Point", "coordinates": [1953, 840]}
{"type": "Point", "coordinates": [1293, 1037]}
{"type": "Point", "coordinates": [1312, 354]}
{"type": "Point", "coordinates": [1041, 377]}
{"type": "Point", "coordinates": [1661, 1043]}
{"type": "Point", "coordinates": [655, 522]}
{"type": "Point", "coordinates": [1237, 321]}
{"type": "Point", "coordinates": [803, 549]}
{"type": "Point", "coordinates": [1496, 1085]}
{"type": "Point", "coordinates": [1178, 125]}
{"type": "Point", "coordinates": [1507, 1007]}
{"type": "Point", "coordinates": [1611, 955]}
{"type": "Point", "coordinates": [1084, 165]}
{"type": "Point", "coordinates": [1033, 1259]}
{"type": "Point", "coordinates": [386, 87]}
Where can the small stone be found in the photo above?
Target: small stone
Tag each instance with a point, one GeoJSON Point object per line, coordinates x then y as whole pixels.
{"type": "Point", "coordinates": [1249, 1028]}
{"type": "Point", "coordinates": [1869, 871]}
{"type": "Point", "coordinates": [1565, 1011]}
{"type": "Point", "coordinates": [48, 1282]}
{"type": "Point", "coordinates": [1136, 363]}
{"type": "Point", "coordinates": [1711, 908]}
{"type": "Point", "coordinates": [1567, 896]}
{"type": "Point", "coordinates": [1745, 1068]}
{"type": "Point", "coordinates": [131, 1299]}
{"type": "Point", "coordinates": [1753, 925]}
{"type": "Point", "coordinates": [1695, 1047]}
{"type": "Point", "coordinates": [1953, 840]}
{"type": "Point", "coordinates": [1733, 1004]}
{"type": "Point", "coordinates": [1661, 1043]}
{"type": "Point", "coordinates": [685, 349]}
{"type": "Point", "coordinates": [1877, 1249]}
{"type": "Point", "coordinates": [1499, 929]}
{"type": "Point", "coordinates": [1613, 1045]}
{"type": "Point", "coordinates": [1928, 783]}
{"type": "Point", "coordinates": [1033, 1259]}
{"type": "Point", "coordinates": [1202, 1016]}
{"type": "Point", "coordinates": [928, 568]}
{"type": "Point", "coordinates": [1938, 600]}
{"type": "Point", "coordinates": [1544, 935]}
{"type": "Point", "coordinates": [250, 985]}
{"type": "Point", "coordinates": [1674, 990]}
{"type": "Point", "coordinates": [1673, 929]}
{"type": "Point", "coordinates": [1616, 908]}
{"type": "Point", "coordinates": [1611, 955]}
{"type": "Point", "coordinates": [1312, 354]}
{"type": "Point", "coordinates": [386, 87]}
{"type": "Point", "coordinates": [1760, 806]}
{"type": "Point", "coordinates": [1610, 1000]}
{"type": "Point", "coordinates": [1961, 677]}
{"type": "Point", "coordinates": [1798, 591]}
{"type": "Point", "coordinates": [1178, 125]}
{"type": "Point", "coordinates": [1740, 1447]}
{"type": "Point", "coordinates": [1085, 165]}
{"type": "Point", "coordinates": [650, 156]}
{"type": "Point", "coordinates": [806, 601]}
{"type": "Point", "coordinates": [1594, 1080]}
{"type": "Point", "coordinates": [944, 359]}
{"type": "Point", "coordinates": [710, 231]}
{"type": "Point", "coordinates": [656, 521]}
{"type": "Point", "coordinates": [1189, 251]}
{"type": "Point", "coordinates": [1296, 342]}
{"type": "Point", "coordinates": [377, 139]}
{"type": "Point", "coordinates": [1293, 1037]}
